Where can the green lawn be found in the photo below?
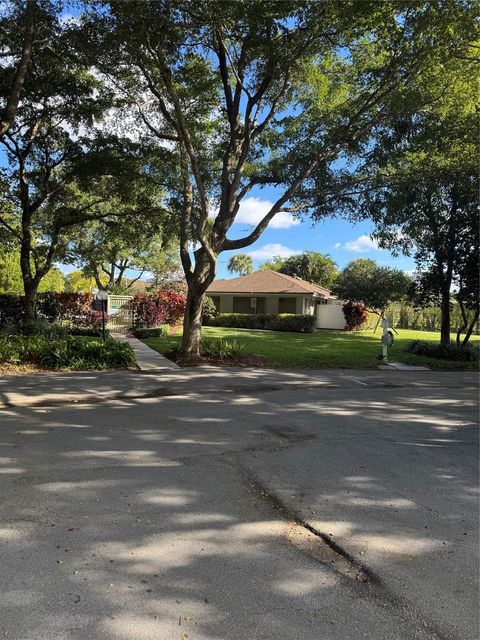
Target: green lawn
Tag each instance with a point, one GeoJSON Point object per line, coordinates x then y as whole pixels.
{"type": "Point", "coordinates": [323, 350]}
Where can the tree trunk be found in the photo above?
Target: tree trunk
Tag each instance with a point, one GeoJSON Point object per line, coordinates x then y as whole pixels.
{"type": "Point", "coordinates": [445, 325]}
{"type": "Point", "coordinates": [471, 328]}
{"type": "Point", "coordinates": [192, 326]}
{"type": "Point", "coordinates": [198, 282]}
{"type": "Point", "coordinates": [464, 324]}
{"type": "Point", "coordinates": [30, 301]}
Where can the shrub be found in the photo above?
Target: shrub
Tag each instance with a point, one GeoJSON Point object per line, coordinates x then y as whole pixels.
{"type": "Point", "coordinates": [78, 354]}
{"type": "Point", "coordinates": [86, 331]}
{"type": "Point", "coordinates": [11, 309]}
{"type": "Point", "coordinates": [163, 307]}
{"type": "Point", "coordinates": [153, 332]}
{"type": "Point", "coordinates": [145, 311]}
{"type": "Point", "coordinates": [41, 328]}
{"type": "Point", "coordinates": [355, 315]}
{"type": "Point", "coordinates": [209, 309]}
{"type": "Point", "coordinates": [70, 353]}
{"type": "Point", "coordinates": [221, 348]}
{"type": "Point", "coordinates": [173, 305]}
{"type": "Point", "coordinates": [466, 353]}
{"type": "Point", "coordinates": [274, 322]}
{"type": "Point", "coordinates": [52, 307]}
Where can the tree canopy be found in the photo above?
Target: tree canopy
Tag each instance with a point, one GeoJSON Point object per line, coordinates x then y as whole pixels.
{"type": "Point", "coordinates": [246, 95]}
{"type": "Point", "coordinates": [310, 265]}
{"type": "Point", "coordinates": [241, 263]}
{"type": "Point", "coordinates": [364, 281]}
{"type": "Point", "coordinates": [420, 187]}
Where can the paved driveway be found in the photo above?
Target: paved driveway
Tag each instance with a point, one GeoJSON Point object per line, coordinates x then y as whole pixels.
{"type": "Point", "coordinates": [221, 504]}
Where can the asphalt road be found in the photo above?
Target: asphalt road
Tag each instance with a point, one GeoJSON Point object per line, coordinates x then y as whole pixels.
{"type": "Point", "coordinates": [218, 505]}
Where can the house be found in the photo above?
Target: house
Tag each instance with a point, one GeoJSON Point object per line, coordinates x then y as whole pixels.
{"type": "Point", "coordinates": [273, 292]}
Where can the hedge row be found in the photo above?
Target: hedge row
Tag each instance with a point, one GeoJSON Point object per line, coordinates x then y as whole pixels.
{"type": "Point", "coordinates": [467, 353]}
{"type": "Point", "coordinates": [51, 330]}
{"type": "Point", "coordinates": [77, 354]}
{"type": "Point", "coordinates": [152, 332]}
{"type": "Point", "coordinates": [273, 322]}
{"type": "Point", "coordinates": [75, 308]}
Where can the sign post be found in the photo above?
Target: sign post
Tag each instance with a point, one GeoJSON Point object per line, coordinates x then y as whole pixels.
{"type": "Point", "coordinates": [102, 296]}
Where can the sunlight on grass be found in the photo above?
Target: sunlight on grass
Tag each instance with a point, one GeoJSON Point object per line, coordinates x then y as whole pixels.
{"type": "Point", "coordinates": [322, 350]}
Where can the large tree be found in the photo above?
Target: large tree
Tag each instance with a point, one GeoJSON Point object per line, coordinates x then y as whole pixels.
{"type": "Point", "coordinates": [60, 170]}
{"type": "Point", "coordinates": [275, 93]}
{"type": "Point", "coordinates": [421, 184]}
{"type": "Point", "coordinates": [309, 265]}
{"type": "Point", "coordinates": [18, 47]}
{"type": "Point", "coordinates": [110, 248]}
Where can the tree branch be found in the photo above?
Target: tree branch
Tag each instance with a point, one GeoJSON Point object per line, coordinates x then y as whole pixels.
{"type": "Point", "coordinates": [10, 110]}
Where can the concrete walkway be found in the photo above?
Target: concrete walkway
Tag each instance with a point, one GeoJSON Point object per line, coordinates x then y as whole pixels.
{"type": "Point", "coordinates": [147, 359]}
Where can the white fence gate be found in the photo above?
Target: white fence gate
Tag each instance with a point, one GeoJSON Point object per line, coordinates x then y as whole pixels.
{"type": "Point", "coordinates": [330, 316]}
{"type": "Point", "coordinates": [120, 313]}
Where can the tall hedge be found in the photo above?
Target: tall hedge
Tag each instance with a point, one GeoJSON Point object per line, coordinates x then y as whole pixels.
{"type": "Point", "coordinates": [53, 307]}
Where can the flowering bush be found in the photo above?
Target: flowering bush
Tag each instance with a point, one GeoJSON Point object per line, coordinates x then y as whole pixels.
{"type": "Point", "coordinates": [163, 307]}
{"type": "Point", "coordinates": [355, 315]}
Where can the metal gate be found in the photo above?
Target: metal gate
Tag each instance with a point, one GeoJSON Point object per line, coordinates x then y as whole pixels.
{"type": "Point", "coordinates": [120, 313]}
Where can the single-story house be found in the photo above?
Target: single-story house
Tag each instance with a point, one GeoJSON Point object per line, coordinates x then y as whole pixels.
{"type": "Point", "coordinates": [273, 292]}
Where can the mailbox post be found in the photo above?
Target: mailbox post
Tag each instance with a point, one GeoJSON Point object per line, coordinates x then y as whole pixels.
{"type": "Point", "coordinates": [387, 338]}
{"type": "Point", "coordinates": [102, 296]}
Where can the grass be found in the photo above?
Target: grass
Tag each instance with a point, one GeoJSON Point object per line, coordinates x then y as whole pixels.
{"type": "Point", "coordinates": [323, 350]}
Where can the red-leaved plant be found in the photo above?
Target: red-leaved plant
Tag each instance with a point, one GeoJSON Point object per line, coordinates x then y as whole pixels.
{"type": "Point", "coordinates": [162, 307]}
{"type": "Point", "coordinates": [355, 315]}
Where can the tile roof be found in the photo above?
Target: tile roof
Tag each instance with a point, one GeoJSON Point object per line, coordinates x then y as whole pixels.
{"type": "Point", "coordinates": [267, 282]}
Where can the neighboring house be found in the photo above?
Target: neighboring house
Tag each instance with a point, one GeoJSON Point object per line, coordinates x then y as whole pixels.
{"type": "Point", "coordinates": [273, 292]}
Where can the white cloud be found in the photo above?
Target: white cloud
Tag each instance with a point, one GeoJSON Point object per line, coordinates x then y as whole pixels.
{"type": "Point", "coordinates": [362, 244]}
{"type": "Point", "coordinates": [274, 249]}
{"type": "Point", "coordinates": [338, 245]}
{"type": "Point", "coordinates": [252, 210]}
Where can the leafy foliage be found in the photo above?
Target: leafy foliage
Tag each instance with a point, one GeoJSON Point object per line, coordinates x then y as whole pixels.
{"type": "Point", "coordinates": [451, 351]}
{"type": "Point", "coordinates": [310, 266]}
{"type": "Point", "coordinates": [209, 310]}
{"type": "Point", "coordinates": [355, 315]}
{"type": "Point", "coordinates": [278, 94]}
{"type": "Point", "coordinates": [275, 322]}
{"type": "Point", "coordinates": [364, 282]}
{"type": "Point", "coordinates": [222, 349]}
{"type": "Point", "coordinates": [163, 307]}
{"type": "Point", "coordinates": [65, 307]}
{"type": "Point", "coordinates": [152, 332]}
{"type": "Point", "coordinates": [420, 187]}
{"type": "Point", "coordinates": [241, 263]}
{"type": "Point", "coordinates": [76, 354]}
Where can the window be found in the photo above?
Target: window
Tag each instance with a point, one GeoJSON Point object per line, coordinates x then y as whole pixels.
{"type": "Point", "coordinates": [287, 305]}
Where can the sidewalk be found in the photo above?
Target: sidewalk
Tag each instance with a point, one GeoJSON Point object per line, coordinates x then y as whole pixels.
{"type": "Point", "coordinates": [147, 359]}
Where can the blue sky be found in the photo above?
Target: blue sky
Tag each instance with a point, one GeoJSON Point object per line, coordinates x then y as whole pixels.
{"type": "Point", "coordinates": [342, 240]}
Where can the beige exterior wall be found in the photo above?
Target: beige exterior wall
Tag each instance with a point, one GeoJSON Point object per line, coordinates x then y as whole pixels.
{"type": "Point", "coordinates": [271, 302]}
{"type": "Point", "coordinates": [226, 304]}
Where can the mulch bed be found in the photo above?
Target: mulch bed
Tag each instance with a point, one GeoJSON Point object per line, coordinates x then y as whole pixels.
{"type": "Point", "coordinates": [7, 369]}
{"type": "Point", "coordinates": [246, 361]}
